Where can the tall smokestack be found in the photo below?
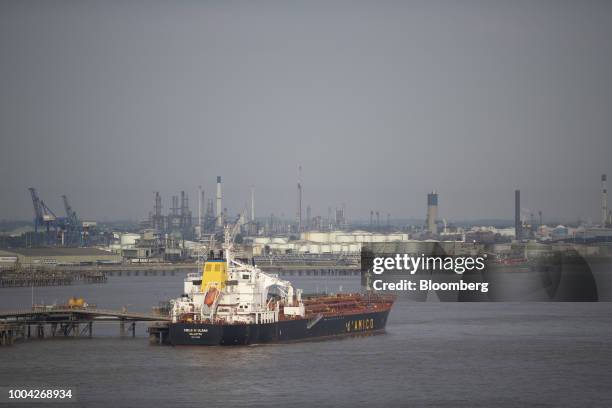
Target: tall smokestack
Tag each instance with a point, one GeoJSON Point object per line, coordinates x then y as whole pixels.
{"type": "Point", "coordinates": [175, 205]}
{"type": "Point", "coordinates": [518, 227]}
{"type": "Point", "coordinates": [540, 216]}
{"type": "Point", "coordinates": [183, 203]}
{"type": "Point", "coordinates": [200, 201]}
{"type": "Point", "coordinates": [604, 201]}
{"type": "Point", "coordinates": [158, 206]}
{"type": "Point", "coordinates": [432, 212]}
{"type": "Point", "coordinates": [299, 206]}
{"type": "Point", "coordinates": [219, 204]}
{"type": "Point", "coordinates": [252, 204]}
{"type": "Point", "coordinates": [158, 219]}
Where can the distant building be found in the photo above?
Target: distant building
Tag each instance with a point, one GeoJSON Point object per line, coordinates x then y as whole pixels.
{"type": "Point", "coordinates": [592, 235]}
{"type": "Point", "coordinates": [60, 256]}
{"type": "Point", "coordinates": [505, 232]}
{"type": "Point", "coordinates": [432, 212]}
{"type": "Point", "coordinates": [321, 242]}
{"type": "Point", "coordinates": [560, 232]}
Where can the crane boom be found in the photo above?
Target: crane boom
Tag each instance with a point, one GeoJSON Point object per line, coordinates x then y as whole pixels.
{"type": "Point", "coordinates": [37, 209]}
{"type": "Point", "coordinates": [70, 213]}
{"type": "Point", "coordinates": [230, 234]}
{"type": "Point", "coordinates": [42, 212]}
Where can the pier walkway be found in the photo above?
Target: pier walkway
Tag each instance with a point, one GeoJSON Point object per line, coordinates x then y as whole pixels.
{"type": "Point", "coordinates": [43, 321]}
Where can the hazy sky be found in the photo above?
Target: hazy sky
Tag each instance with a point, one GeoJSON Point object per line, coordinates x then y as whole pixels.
{"type": "Point", "coordinates": [380, 102]}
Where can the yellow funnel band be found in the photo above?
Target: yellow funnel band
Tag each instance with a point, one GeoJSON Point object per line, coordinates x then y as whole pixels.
{"type": "Point", "coordinates": [214, 274]}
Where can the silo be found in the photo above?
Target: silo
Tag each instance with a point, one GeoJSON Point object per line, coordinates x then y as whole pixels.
{"type": "Point", "coordinates": [432, 212]}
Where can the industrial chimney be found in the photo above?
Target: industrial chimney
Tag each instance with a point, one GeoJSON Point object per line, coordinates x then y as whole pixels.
{"type": "Point", "coordinates": [200, 203]}
{"type": "Point", "coordinates": [604, 201]}
{"type": "Point", "coordinates": [219, 204]}
{"type": "Point", "coordinates": [518, 227]}
{"type": "Point", "coordinates": [252, 204]}
{"type": "Point", "coordinates": [298, 217]}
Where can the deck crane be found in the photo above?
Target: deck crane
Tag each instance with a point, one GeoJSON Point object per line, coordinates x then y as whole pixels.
{"type": "Point", "coordinates": [230, 235]}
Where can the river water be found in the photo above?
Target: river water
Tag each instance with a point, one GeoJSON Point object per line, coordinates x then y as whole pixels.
{"type": "Point", "coordinates": [433, 354]}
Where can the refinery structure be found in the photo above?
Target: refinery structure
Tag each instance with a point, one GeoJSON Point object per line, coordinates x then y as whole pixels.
{"type": "Point", "coordinates": [172, 232]}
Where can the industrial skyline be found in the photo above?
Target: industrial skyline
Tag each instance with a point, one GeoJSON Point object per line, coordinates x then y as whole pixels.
{"type": "Point", "coordinates": [218, 213]}
{"type": "Point", "coordinates": [380, 103]}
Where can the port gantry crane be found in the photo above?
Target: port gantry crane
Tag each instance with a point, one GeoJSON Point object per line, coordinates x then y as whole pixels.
{"type": "Point", "coordinates": [70, 213]}
{"type": "Point", "coordinates": [69, 226]}
{"type": "Point", "coordinates": [43, 216]}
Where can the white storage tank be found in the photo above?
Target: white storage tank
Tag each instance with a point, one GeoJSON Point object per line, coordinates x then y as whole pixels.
{"type": "Point", "coordinates": [129, 239]}
{"type": "Point", "coordinates": [394, 237]}
{"type": "Point", "coordinates": [360, 237]}
{"type": "Point", "coordinates": [333, 236]}
{"type": "Point", "coordinates": [287, 246]}
{"type": "Point", "coordinates": [314, 248]}
{"type": "Point", "coordinates": [315, 236]}
{"type": "Point", "coordinates": [345, 238]}
{"type": "Point", "coordinates": [336, 248]}
{"type": "Point", "coordinates": [353, 248]}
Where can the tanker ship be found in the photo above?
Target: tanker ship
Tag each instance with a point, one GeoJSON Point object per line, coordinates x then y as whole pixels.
{"type": "Point", "coordinates": [233, 303]}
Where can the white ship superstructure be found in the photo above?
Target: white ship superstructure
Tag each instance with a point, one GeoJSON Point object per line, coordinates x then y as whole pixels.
{"type": "Point", "coordinates": [233, 292]}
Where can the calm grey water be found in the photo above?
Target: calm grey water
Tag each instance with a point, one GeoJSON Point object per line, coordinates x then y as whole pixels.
{"type": "Point", "coordinates": [433, 354]}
